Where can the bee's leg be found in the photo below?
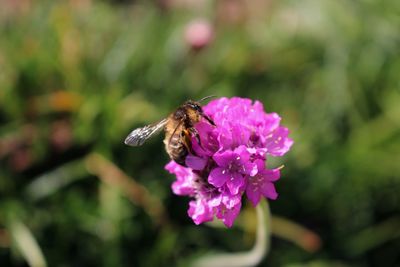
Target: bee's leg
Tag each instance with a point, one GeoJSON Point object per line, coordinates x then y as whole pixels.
{"type": "Point", "coordinates": [210, 121]}
{"type": "Point", "coordinates": [196, 135]}
{"type": "Point", "coordinates": [187, 143]}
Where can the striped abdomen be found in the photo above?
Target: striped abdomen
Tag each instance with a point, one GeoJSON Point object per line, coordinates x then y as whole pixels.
{"type": "Point", "coordinates": [176, 148]}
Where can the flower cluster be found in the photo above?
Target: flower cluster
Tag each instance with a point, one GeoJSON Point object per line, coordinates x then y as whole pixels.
{"type": "Point", "coordinates": [229, 160]}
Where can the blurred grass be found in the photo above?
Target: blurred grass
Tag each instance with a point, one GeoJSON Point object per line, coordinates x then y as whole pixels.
{"type": "Point", "coordinates": [77, 76]}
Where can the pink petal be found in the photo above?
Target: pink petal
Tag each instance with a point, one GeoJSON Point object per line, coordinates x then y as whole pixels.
{"type": "Point", "coordinates": [278, 142]}
{"type": "Point", "coordinates": [271, 174]}
{"type": "Point", "coordinates": [253, 195]}
{"type": "Point", "coordinates": [268, 190]}
{"type": "Point", "coordinates": [231, 201]}
{"type": "Point", "coordinates": [250, 168]}
{"type": "Point", "coordinates": [228, 216]}
{"type": "Point", "coordinates": [235, 182]}
{"type": "Point", "coordinates": [199, 212]}
{"type": "Point", "coordinates": [225, 158]}
{"type": "Point", "coordinates": [183, 188]}
{"type": "Point", "coordinates": [196, 163]}
{"type": "Point", "coordinates": [218, 177]}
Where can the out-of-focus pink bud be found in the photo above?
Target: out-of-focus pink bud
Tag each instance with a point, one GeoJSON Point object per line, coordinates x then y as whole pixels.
{"type": "Point", "coordinates": [199, 33]}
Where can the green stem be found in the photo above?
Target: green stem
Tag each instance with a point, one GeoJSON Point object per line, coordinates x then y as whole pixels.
{"type": "Point", "coordinates": [252, 257]}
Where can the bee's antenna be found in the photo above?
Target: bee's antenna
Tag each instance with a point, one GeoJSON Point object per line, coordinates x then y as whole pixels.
{"type": "Point", "coordinates": [205, 98]}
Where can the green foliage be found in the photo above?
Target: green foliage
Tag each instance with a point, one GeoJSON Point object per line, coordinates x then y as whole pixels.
{"type": "Point", "coordinates": [77, 76]}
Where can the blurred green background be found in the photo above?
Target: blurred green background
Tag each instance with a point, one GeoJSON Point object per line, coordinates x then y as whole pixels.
{"type": "Point", "coordinates": [76, 76]}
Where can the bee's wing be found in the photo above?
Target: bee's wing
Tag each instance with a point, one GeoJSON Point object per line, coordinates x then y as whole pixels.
{"type": "Point", "coordinates": [138, 136]}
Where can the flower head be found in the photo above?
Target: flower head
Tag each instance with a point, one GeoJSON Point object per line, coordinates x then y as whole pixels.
{"type": "Point", "coordinates": [229, 161]}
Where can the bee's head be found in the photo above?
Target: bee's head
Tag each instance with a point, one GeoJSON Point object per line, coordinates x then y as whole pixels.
{"type": "Point", "coordinates": [194, 106]}
{"type": "Point", "coordinates": [195, 112]}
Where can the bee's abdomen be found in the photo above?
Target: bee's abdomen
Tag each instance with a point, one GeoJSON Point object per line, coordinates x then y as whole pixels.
{"type": "Point", "coordinates": [176, 149]}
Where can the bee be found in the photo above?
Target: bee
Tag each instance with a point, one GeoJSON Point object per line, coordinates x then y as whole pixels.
{"type": "Point", "coordinates": [179, 129]}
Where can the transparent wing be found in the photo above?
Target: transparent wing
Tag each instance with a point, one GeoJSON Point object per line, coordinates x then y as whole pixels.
{"type": "Point", "coordinates": [138, 136]}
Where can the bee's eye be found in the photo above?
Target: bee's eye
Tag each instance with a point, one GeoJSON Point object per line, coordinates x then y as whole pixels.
{"type": "Point", "coordinates": [196, 107]}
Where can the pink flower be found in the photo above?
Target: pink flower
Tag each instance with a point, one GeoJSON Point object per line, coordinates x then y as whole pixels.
{"type": "Point", "coordinates": [183, 186]}
{"type": "Point", "coordinates": [230, 160]}
{"type": "Point", "coordinates": [261, 184]}
{"type": "Point", "coordinates": [199, 33]}
{"type": "Point", "coordinates": [232, 168]}
{"type": "Point", "coordinates": [200, 211]}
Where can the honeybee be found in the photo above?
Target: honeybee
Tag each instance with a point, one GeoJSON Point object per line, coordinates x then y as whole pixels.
{"type": "Point", "coordinates": [179, 129]}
